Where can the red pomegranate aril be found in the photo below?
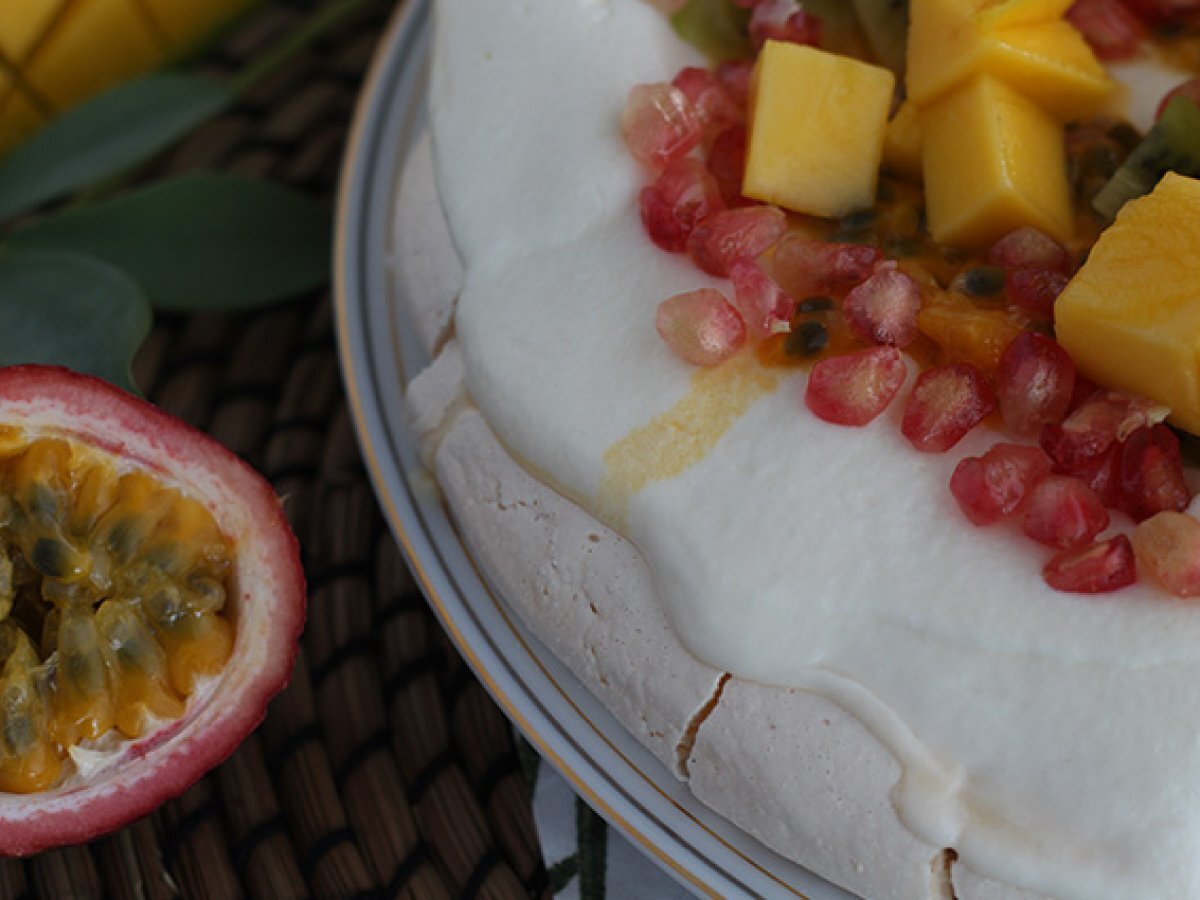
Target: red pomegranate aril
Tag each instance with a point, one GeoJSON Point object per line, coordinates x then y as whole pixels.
{"type": "Point", "coordinates": [1168, 547]}
{"type": "Point", "coordinates": [1095, 569]}
{"type": "Point", "coordinates": [993, 487]}
{"type": "Point", "coordinates": [1189, 89]}
{"type": "Point", "coordinates": [855, 388]}
{"type": "Point", "coordinates": [1112, 30]}
{"type": "Point", "coordinates": [1161, 12]}
{"type": "Point", "coordinates": [1082, 392]}
{"type": "Point", "coordinates": [712, 103]}
{"type": "Point", "coordinates": [806, 268]}
{"type": "Point", "coordinates": [1034, 384]}
{"type": "Point", "coordinates": [659, 124]}
{"type": "Point", "coordinates": [1102, 420]}
{"type": "Point", "coordinates": [1028, 248]}
{"type": "Point", "coordinates": [883, 309]}
{"type": "Point", "coordinates": [732, 234]}
{"type": "Point", "coordinates": [1064, 512]}
{"type": "Point", "coordinates": [727, 163]}
{"type": "Point", "coordinates": [765, 308]}
{"type": "Point", "coordinates": [734, 75]}
{"type": "Point", "coordinates": [783, 20]}
{"type": "Point", "coordinates": [1035, 290]}
{"type": "Point", "coordinates": [945, 404]}
{"type": "Point", "coordinates": [682, 197]}
{"type": "Point", "coordinates": [1151, 474]}
{"type": "Point", "coordinates": [700, 327]}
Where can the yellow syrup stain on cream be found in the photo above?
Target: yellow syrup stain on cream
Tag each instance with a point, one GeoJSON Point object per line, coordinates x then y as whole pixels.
{"type": "Point", "coordinates": [676, 440]}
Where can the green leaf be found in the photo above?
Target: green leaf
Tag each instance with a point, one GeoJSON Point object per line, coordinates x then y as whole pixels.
{"type": "Point", "coordinates": [106, 136]}
{"type": "Point", "coordinates": [72, 311]}
{"type": "Point", "coordinates": [200, 242]}
{"type": "Point", "coordinates": [717, 28]}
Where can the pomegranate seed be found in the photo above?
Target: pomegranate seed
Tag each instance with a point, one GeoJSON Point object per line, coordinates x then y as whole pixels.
{"type": "Point", "coordinates": [805, 268]}
{"type": "Point", "coordinates": [783, 20]}
{"type": "Point", "coordinates": [659, 124]}
{"type": "Point", "coordinates": [727, 163]}
{"type": "Point", "coordinates": [1034, 384]}
{"type": "Point", "coordinates": [1084, 388]}
{"type": "Point", "coordinates": [1189, 89]}
{"type": "Point", "coordinates": [700, 327]}
{"type": "Point", "coordinates": [734, 76]}
{"type": "Point", "coordinates": [712, 103]}
{"type": "Point", "coordinates": [1105, 418]}
{"type": "Point", "coordinates": [945, 404]}
{"type": "Point", "coordinates": [1095, 569]}
{"type": "Point", "coordinates": [992, 487]}
{"type": "Point", "coordinates": [855, 388]}
{"type": "Point", "coordinates": [1161, 12]}
{"type": "Point", "coordinates": [1111, 29]}
{"type": "Point", "coordinates": [1151, 474]}
{"type": "Point", "coordinates": [683, 196]}
{"type": "Point", "coordinates": [883, 309]}
{"type": "Point", "coordinates": [766, 309]}
{"type": "Point", "coordinates": [733, 233]}
{"type": "Point", "coordinates": [1035, 290]}
{"type": "Point", "coordinates": [1168, 547]}
{"type": "Point", "coordinates": [1028, 248]}
{"type": "Point", "coordinates": [1064, 512]}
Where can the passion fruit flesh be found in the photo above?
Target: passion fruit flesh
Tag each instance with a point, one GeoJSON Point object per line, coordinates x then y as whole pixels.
{"type": "Point", "coordinates": [113, 589]}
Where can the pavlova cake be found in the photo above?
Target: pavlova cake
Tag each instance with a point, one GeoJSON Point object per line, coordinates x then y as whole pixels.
{"type": "Point", "coordinates": [804, 397]}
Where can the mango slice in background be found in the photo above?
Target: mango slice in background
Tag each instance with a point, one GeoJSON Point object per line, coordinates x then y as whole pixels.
{"type": "Point", "coordinates": [56, 53]}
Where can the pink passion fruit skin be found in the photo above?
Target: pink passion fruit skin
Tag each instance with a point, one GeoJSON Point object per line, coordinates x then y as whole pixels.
{"type": "Point", "coordinates": [266, 601]}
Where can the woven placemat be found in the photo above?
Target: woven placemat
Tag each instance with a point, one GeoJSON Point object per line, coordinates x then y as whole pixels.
{"type": "Point", "coordinates": [384, 770]}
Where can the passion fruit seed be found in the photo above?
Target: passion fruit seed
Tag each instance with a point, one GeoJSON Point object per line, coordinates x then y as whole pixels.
{"type": "Point", "coordinates": [112, 591]}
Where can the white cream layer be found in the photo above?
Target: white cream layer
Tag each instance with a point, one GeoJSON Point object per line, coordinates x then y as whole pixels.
{"type": "Point", "coordinates": [1054, 740]}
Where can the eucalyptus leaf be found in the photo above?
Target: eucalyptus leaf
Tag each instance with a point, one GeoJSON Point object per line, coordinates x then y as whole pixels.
{"type": "Point", "coordinates": [200, 242]}
{"type": "Point", "coordinates": [69, 310]}
{"type": "Point", "coordinates": [107, 136]}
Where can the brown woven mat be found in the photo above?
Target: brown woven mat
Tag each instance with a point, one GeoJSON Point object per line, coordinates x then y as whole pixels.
{"type": "Point", "coordinates": [384, 770]}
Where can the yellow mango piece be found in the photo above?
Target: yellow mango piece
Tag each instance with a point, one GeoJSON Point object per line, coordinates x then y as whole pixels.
{"type": "Point", "coordinates": [806, 152]}
{"type": "Point", "coordinates": [1048, 61]}
{"type": "Point", "coordinates": [1130, 317]}
{"type": "Point", "coordinates": [993, 161]}
{"type": "Point", "coordinates": [1006, 13]}
{"type": "Point", "coordinates": [94, 45]}
{"type": "Point", "coordinates": [902, 143]}
{"type": "Point", "coordinates": [23, 24]}
{"type": "Point", "coordinates": [185, 22]}
{"type": "Point", "coordinates": [18, 119]}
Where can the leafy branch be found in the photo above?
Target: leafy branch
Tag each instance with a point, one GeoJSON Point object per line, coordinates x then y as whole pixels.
{"type": "Point", "coordinates": [77, 285]}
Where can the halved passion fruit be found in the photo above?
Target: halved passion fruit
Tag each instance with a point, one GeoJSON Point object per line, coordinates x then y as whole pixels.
{"type": "Point", "coordinates": [151, 597]}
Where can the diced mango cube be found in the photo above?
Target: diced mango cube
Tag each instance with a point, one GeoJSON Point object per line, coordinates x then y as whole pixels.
{"type": "Point", "coordinates": [23, 24]}
{"type": "Point", "coordinates": [1130, 317]}
{"type": "Point", "coordinates": [185, 22]}
{"type": "Point", "coordinates": [902, 143]}
{"type": "Point", "coordinates": [1048, 61]}
{"type": "Point", "coordinates": [70, 64]}
{"type": "Point", "coordinates": [816, 130]}
{"type": "Point", "coordinates": [993, 14]}
{"type": "Point", "coordinates": [993, 161]}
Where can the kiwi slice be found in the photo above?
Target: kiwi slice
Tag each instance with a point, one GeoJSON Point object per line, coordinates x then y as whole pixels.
{"type": "Point", "coordinates": [1172, 145]}
{"type": "Point", "coordinates": [885, 24]}
{"type": "Point", "coordinates": [717, 28]}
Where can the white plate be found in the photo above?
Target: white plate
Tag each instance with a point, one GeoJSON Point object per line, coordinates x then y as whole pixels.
{"type": "Point", "coordinates": [380, 351]}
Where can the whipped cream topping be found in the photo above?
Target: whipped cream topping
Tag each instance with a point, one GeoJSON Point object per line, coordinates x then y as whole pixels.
{"type": "Point", "coordinates": [1052, 739]}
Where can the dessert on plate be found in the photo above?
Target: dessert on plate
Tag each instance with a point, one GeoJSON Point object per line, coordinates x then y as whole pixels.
{"type": "Point", "coordinates": [784, 592]}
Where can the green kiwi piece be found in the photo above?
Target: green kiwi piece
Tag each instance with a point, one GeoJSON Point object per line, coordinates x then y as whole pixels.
{"type": "Point", "coordinates": [885, 24]}
{"type": "Point", "coordinates": [717, 28]}
{"type": "Point", "coordinates": [1172, 145]}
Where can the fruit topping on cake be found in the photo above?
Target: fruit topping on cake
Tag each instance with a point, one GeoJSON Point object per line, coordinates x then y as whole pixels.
{"type": "Point", "coordinates": [944, 215]}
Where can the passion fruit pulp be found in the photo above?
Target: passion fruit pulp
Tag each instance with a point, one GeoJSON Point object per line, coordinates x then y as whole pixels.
{"type": "Point", "coordinates": [151, 597]}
